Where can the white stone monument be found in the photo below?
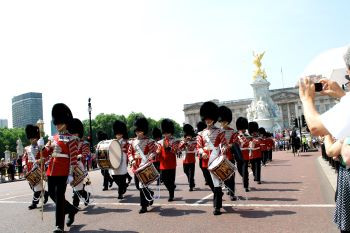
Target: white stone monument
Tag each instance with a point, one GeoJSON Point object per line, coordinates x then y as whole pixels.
{"type": "Point", "coordinates": [262, 109]}
{"type": "Point", "coordinates": [19, 147]}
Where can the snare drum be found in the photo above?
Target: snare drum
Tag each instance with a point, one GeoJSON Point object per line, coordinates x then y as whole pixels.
{"type": "Point", "coordinates": [147, 174]}
{"type": "Point", "coordinates": [222, 168]}
{"type": "Point", "coordinates": [78, 176]}
{"type": "Point", "coordinates": [109, 154]}
{"type": "Point", "coordinates": [34, 176]}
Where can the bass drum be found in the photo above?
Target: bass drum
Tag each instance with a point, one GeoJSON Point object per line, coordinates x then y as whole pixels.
{"type": "Point", "coordinates": [109, 154]}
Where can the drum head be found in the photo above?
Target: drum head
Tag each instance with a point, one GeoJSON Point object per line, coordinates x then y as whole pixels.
{"type": "Point", "coordinates": [115, 153]}
{"type": "Point", "coordinates": [216, 162]}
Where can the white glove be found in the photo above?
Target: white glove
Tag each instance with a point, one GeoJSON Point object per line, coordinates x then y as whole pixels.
{"type": "Point", "coordinates": [41, 143]}
{"type": "Point", "coordinates": [70, 179]}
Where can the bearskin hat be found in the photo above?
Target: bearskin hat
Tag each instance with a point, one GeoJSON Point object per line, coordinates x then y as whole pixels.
{"type": "Point", "coordinates": [188, 130]}
{"type": "Point", "coordinates": [209, 110]}
{"type": "Point", "coordinates": [225, 114]}
{"type": "Point", "coordinates": [32, 131]}
{"type": "Point", "coordinates": [61, 114]}
{"type": "Point", "coordinates": [200, 126]}
{"type": "Point", "coordinates": [76, 127]}
{"type": "Point", "coordinates": [141, 124]}
{"type": "Point", "coordinates": [253, 127]}
{"type": "Point", "coordinates": [262, 131]}
{"type": "Point", "coordinates": [101, 136]}
{"type": "Point", "coordinates": [167, 126]}
{"type": "Point", "coordinates": [156, 133]}
{"type": "Point", "coordinates": [242, 123]}
{"type": "Point", "coordinates": [119, 127]}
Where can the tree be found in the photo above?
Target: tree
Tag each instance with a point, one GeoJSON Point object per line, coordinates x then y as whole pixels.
{"type": "Point", "coordinates": [9, 137]}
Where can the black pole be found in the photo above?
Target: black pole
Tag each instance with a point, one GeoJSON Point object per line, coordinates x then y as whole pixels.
{"type": "Point", "coordinates": [90, 133]}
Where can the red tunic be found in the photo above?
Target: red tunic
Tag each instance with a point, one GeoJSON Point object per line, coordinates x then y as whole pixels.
{"type": "Point", "coordinates": [216, 136]}
{"type": "Point", "coordinates": [250, 146]}
{"type": "Point", "coordinates": [229, 133]}
{"type": "Point", "coordinates": [63, 151]}
{"type": "Point", "coordinates": [147, 146]}
{"type": "Point", "coordinates": [83, 150]}
{"type": "Point", "coordinates": [263, 144]}
{"type": "Point", "coordinates": [28, 159]}
{"type": "Point", "coordinates": [167, 158]}
{"type": "Point", "coordinates": [190, 149]}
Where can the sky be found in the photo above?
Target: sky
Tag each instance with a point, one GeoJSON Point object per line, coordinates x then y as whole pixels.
{"type": "Point", "coordinates": [155, 56]}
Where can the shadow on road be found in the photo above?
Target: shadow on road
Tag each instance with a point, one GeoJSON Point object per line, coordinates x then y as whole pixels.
{"type": "Point", "coordinates": [277, 190]}
{"type": "Point", "coordinates": [251, 213]}
{"type": "Point", "coordinates": [92, 210]}
{"type": "Point", "coordinates": [172, 212]}
{"type": "Point", "coordinates": [305, 155]}
{"type": "Point", "coordinates": [282, 182]}
{"type": "Point", "coordinates": [192, 201]}
{"type": "Point", "coordinates": [271, 199]}
{"type": "Point", "coordinates": [77, 228]}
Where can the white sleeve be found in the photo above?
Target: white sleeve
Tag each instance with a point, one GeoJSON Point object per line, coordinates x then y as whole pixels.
{"type": "Point", "coordinates": [337, 119]}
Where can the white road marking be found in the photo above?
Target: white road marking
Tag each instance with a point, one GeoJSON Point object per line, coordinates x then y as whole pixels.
{"type": "Point", "coordinates": [203, 199]}
{"type": "Point", "coordinates": [24, 195]}
{"type": "Point", "coordinates": [199, 205]}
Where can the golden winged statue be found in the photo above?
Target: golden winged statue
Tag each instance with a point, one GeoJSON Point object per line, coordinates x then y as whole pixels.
{"type": "Point", "coordinates": [257, 61]}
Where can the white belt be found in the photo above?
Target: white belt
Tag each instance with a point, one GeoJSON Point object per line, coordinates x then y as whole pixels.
{"type": "Point", "coordinates": [58, 155]}
{"type": "Point", "coordinates": [250, 148]}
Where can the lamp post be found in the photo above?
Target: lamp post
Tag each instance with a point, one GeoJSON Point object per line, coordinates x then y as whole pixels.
{"type": "Point", "coordinates": [90, 127]}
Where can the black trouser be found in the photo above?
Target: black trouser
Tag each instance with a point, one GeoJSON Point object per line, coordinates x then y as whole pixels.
{"type": "Point", "coordinates": [256, 168]}
{"type": "Point", "coordinates": [168, 177]}
{"type": "Point", "coordinates": [230, 183]}
{"type": "Point", "coordinates": [218, 197]}
{"type": "Point", "coordinates": [208, 179]}
{"type": "Point", "coordinates": [145, 193]}
{"type": "Point", "coordinates": [128, 176]}
{"type": "Point", "coordinates": [36, 197]}
{"type": "Point", "coordinates": [57, 188]}
{"type": "Point", "coordinates": [106, 178]}
{"type": "Point", "coordinates": [270, 155]}
{"type": "Point", "coordinates": [137, 182]}
{"type": "Point", "coordinates": [243, 171]}
{"type": "Point", "coordinates": [120, 180]}
{"type": "Point", "coordinates": [265, 155]}
{"type": "Point", "coordinates": [189, 171]}
{"type": "Point", "coordinates": [201, 167]}
{"type": "Point", "coordinates": [157, 166]}
{"type": "Point", "coordinates": [76, 195]}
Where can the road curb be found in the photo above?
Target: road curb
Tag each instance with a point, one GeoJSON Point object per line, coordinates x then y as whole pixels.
{"type": "Point", "coordinates": [329, 172]}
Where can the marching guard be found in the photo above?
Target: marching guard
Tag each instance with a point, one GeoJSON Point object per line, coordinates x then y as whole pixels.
{"type": "Point", "coordinates": [63, 151]}
{"type": "Point", "coordinates": [167, 150]}
{"type": "Point", "coordinates": [76, 128]}
{"type": "Point", "coordinates": [210, 143]}
{"type": "Point", "coordinates": [119, 175]}
{"type": "Point", "coordinates": [225, 118]}
{"type": "Point", "coordinates": [188, 146]}
{"type": "Point", "coordinates": [255, 150]}
{"type": "Point", "coordinates": [31, 159]}
{"type": "Point", "coordinates": [141, 151]}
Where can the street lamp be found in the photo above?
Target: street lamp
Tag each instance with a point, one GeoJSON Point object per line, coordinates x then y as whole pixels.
{"type": "Point", "coordinates": [90, 128]}
{"type": "Point", "coordinates": [40, 124]}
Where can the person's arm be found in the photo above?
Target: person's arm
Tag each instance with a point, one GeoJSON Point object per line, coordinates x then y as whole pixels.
{"type": "Point", "coordinates": [333, 148]}
{"type": "Point", "coordinates": [312, 117]}
{"type": "Point", "coordinates": [345, 151]}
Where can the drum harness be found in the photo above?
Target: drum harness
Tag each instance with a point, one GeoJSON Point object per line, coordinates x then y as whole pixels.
{"type": "Point", "coordinates": [144, 160]}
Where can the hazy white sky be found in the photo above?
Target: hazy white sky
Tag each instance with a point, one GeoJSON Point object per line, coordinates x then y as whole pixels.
{"type": "Point", "coordinates": [155, 56]}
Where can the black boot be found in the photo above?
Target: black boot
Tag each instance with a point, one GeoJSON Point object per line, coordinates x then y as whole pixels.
{"type": "Point", "coordinates": [32, 206]}
{"type": "Point", "coordinates": [171, 195]}
{"type": "Point", "coordinates": [143, 210]}
{"type": "Point", "coordinates": [46, 197]}
{"type": "Point", "coordinates": [217, 211]}
{"type": "Point", "coordinates": [71, 216]}
{"type": "Point", "coordinates": [58, 230]}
